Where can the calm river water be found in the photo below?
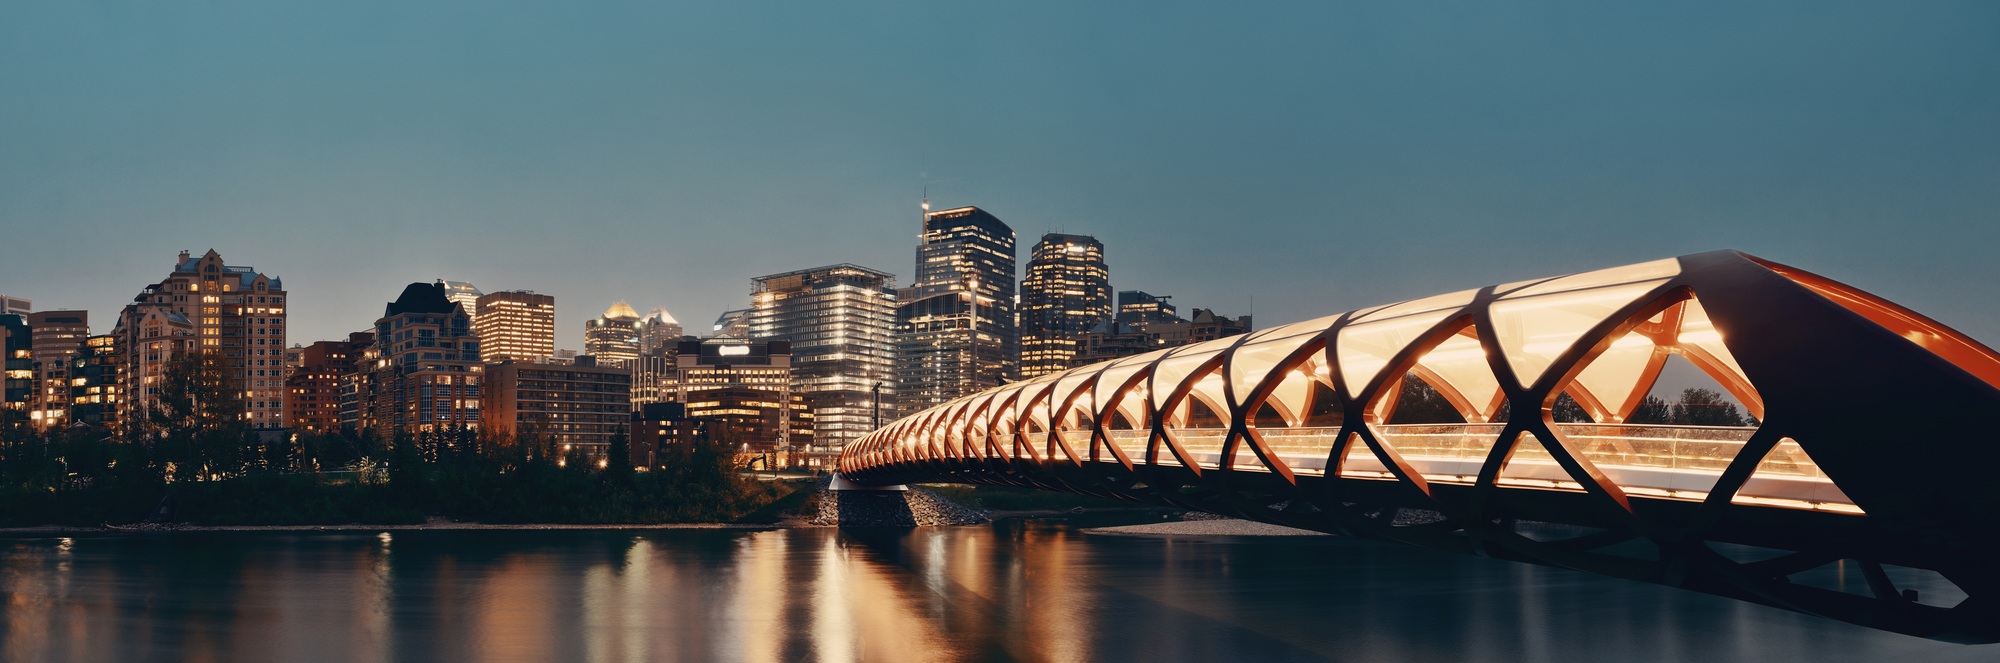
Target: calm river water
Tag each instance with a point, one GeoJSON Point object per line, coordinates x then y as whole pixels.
{"type": "Point", "coordinates": [1012, 591]}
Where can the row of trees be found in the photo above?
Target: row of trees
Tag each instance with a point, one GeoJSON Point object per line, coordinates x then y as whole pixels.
{"type": "Point", "coordinates": [193, 458]}
{"type": "Point", "coordinates": [1419, 403]}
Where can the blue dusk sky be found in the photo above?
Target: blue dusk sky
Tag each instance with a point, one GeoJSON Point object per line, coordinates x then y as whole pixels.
{"type": "Point", "coordinates": [1314, 157]}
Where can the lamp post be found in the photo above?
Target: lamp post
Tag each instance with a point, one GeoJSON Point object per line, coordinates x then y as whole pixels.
{"type": "Point", "coordinates": [877, 390]}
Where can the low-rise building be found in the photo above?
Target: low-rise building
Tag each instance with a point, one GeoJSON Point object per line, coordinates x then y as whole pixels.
{"type": "Point", "coordinates": [313, 392]}
{"type": "Point", "coordinates": [575, 407]}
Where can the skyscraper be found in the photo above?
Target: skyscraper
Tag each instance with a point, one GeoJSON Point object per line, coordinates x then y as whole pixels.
{"type": "Point", "coordinates": [515, 324]}
{"type": "Point", "coordinates": [955, 332]}
{"type": "Point", "coordinates": [58, 336]}
{"type": "Point", "coordinates": [209, 306]}
{"type": "Point", "coordinates": [659, 333]}
{"type": "Point", "coordinates": [463, 294]}
{"type": "Point", "coordinates": [841, 322]}
{"type": "Point", "coordinates": [423, 372]}
{"type": "Point", "coordinates": [613, 338]}
{"type": "Point", "coordinates": [1066, 293]}
{"type": "Point", "coordinates": [12, 304]}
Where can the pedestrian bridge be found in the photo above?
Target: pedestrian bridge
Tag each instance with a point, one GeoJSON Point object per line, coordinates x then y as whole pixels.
{"type": "Point", "coordinates": [1851, 435]}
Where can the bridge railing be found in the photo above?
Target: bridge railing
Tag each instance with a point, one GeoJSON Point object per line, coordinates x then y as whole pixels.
{"type": "Point", "coordinates": [1667, 462]}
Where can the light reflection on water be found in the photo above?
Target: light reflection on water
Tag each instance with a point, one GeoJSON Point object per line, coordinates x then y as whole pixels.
{"type": "Point", "coordinates": [1013, 591]}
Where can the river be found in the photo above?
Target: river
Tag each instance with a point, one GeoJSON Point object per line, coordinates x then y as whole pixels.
{"type": "Point", "coordinates": [1015, 590]}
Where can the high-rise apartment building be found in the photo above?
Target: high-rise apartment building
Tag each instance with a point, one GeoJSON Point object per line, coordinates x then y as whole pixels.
{"type": "Point", "coordinates": [423, 372]}
{"type": "Point", "coordinates": [515, 324]}
{"type": "Point", "coordinates": [208, 306]}
{"type": "Point", "coordinates": [575, 407]}
{"type": "Point", "coordinates": [841, 322]}
{"type": "Point", "coordinates": [313, 391]}
{"type": "Point", "coordinates": [58, 336]}
{"type": "Point", "coordinates": [1066, 293]}
{"type": "Point", "coordinates": [12, 304]}
{"type": "Point", "coordinates": [463, 294]}
{"type": "Point", "coordinates": [17, 359]}
{"type": "Point", "coordinates": [613, 338]}
{"type": "Point", "coordinates": [955, 323]}
{"type": "Point", "coordinates": [93, 383]}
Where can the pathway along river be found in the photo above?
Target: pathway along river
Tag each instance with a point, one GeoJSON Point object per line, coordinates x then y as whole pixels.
{"type": "Point", "coordinates": [1014, 590]}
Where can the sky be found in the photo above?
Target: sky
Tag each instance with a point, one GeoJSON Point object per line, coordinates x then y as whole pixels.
{"type": "Point", "coordinates": [1295, 159]}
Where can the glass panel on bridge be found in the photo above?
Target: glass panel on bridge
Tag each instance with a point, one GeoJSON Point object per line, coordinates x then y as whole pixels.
{"type": "Point", "coordinates": [1655, 271]}
{"type": "Point", "coordinates": [1300, 420]}
{"type": "Point", "coordinates": [1361, 462]}
{"type": "Point", "coordinates": [1534, 330]}
{"type": "Point", "coordinates": [1661, 461]}
{"type": "Point", "coordinates": [1452, 301]}
{"type": "Point", "coordinates": [1442, 453]}
{"type": "Point", "coordinates": [1531, 466]}
{"type": "Point", "coordinates": [1459, 369]}
{"type": "Point", "coordinates": [1200, 421]}
{"type": "Point", "coordinates": [1177, 368]}
{"type": "Point", "coordinates": [1364, 350]}
{"type": "Point", "coordinates": [1255, 362]}
{"type": "Point", "coordinates": [1614, 381]}
{"type": "Point", "coordinates": [1788, 478]}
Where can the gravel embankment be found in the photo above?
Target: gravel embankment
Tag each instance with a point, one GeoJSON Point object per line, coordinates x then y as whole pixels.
{"type": "Point", "coordinates": [912, 508]}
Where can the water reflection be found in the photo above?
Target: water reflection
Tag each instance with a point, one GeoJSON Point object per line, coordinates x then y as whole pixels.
{"type": "Point", "coordinates": [1014, 591]}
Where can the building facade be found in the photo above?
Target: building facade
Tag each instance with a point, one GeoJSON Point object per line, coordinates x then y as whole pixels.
{"type": "Point", "coordinates": [747, 386]}
{"type": "Point", "coordinates": [1153, 327]}
{"type": "Point", "coordinates": [94, 382]}
{"type": "Point", "coordinates": [58, 336]}
{"type": "Point", "coordinates": [1066, 293]}
{"type": "Point", "coordinates": [1139, 307]}
{"type": "Point", "coordinates": [840, 321]}
{"type": "Point", "coordinates": [575, 408]}
{"type": "Point", "coordinates": [423, 371]}
{"type": "Point", "coordinates": [207, 305]}
{"type": "Point", "coordinates": [463, 294]}
{"type": "Point", "coordinates": [659, 333]}
{"type": "Point", "coordinates": [17, 353]}
{"type": "Point", "coordinates": [955, 323]}
{"type": "Point", "coordinates": [313, 391]}
{"type": "Point", "coordinates": [515, 324]}
{"type": "Point", "coordinates": [11, 304]}
{"type": "Point", "coordinates": [613, 338]}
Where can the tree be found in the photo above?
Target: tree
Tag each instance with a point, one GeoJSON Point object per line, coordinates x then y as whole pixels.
{"type": "Point", "coordinates": [196, 424]}
{"type": "Point", "coordinates": [618, 461]}
{"type": "Point", "coordinates": [1703, 407]}
{"type": "Point", "coordinates": [1652, 411]}
{"type": "Point", "coordinates": [1567, 411]}
{"type": "Point", "coordinates": [1419, 403]}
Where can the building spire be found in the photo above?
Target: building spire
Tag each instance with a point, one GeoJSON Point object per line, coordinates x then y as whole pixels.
{"type": "Point", "coordinates": [924, 218]}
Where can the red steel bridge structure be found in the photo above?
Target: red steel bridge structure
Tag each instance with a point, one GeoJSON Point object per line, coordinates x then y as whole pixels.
{"type": "Point", "coordinates": [1873, 442]}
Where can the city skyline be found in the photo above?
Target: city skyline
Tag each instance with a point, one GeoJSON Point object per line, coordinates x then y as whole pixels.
{"type": "Point", "coordinates": [1860, 138]}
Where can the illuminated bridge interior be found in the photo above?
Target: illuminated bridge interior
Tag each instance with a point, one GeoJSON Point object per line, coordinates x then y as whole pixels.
{"type": "Point", "coordinates": [1849, 432]}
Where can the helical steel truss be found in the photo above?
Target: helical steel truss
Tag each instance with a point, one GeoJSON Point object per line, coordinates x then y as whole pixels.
{"type": "Point", "coordinates": [1870, 446]}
